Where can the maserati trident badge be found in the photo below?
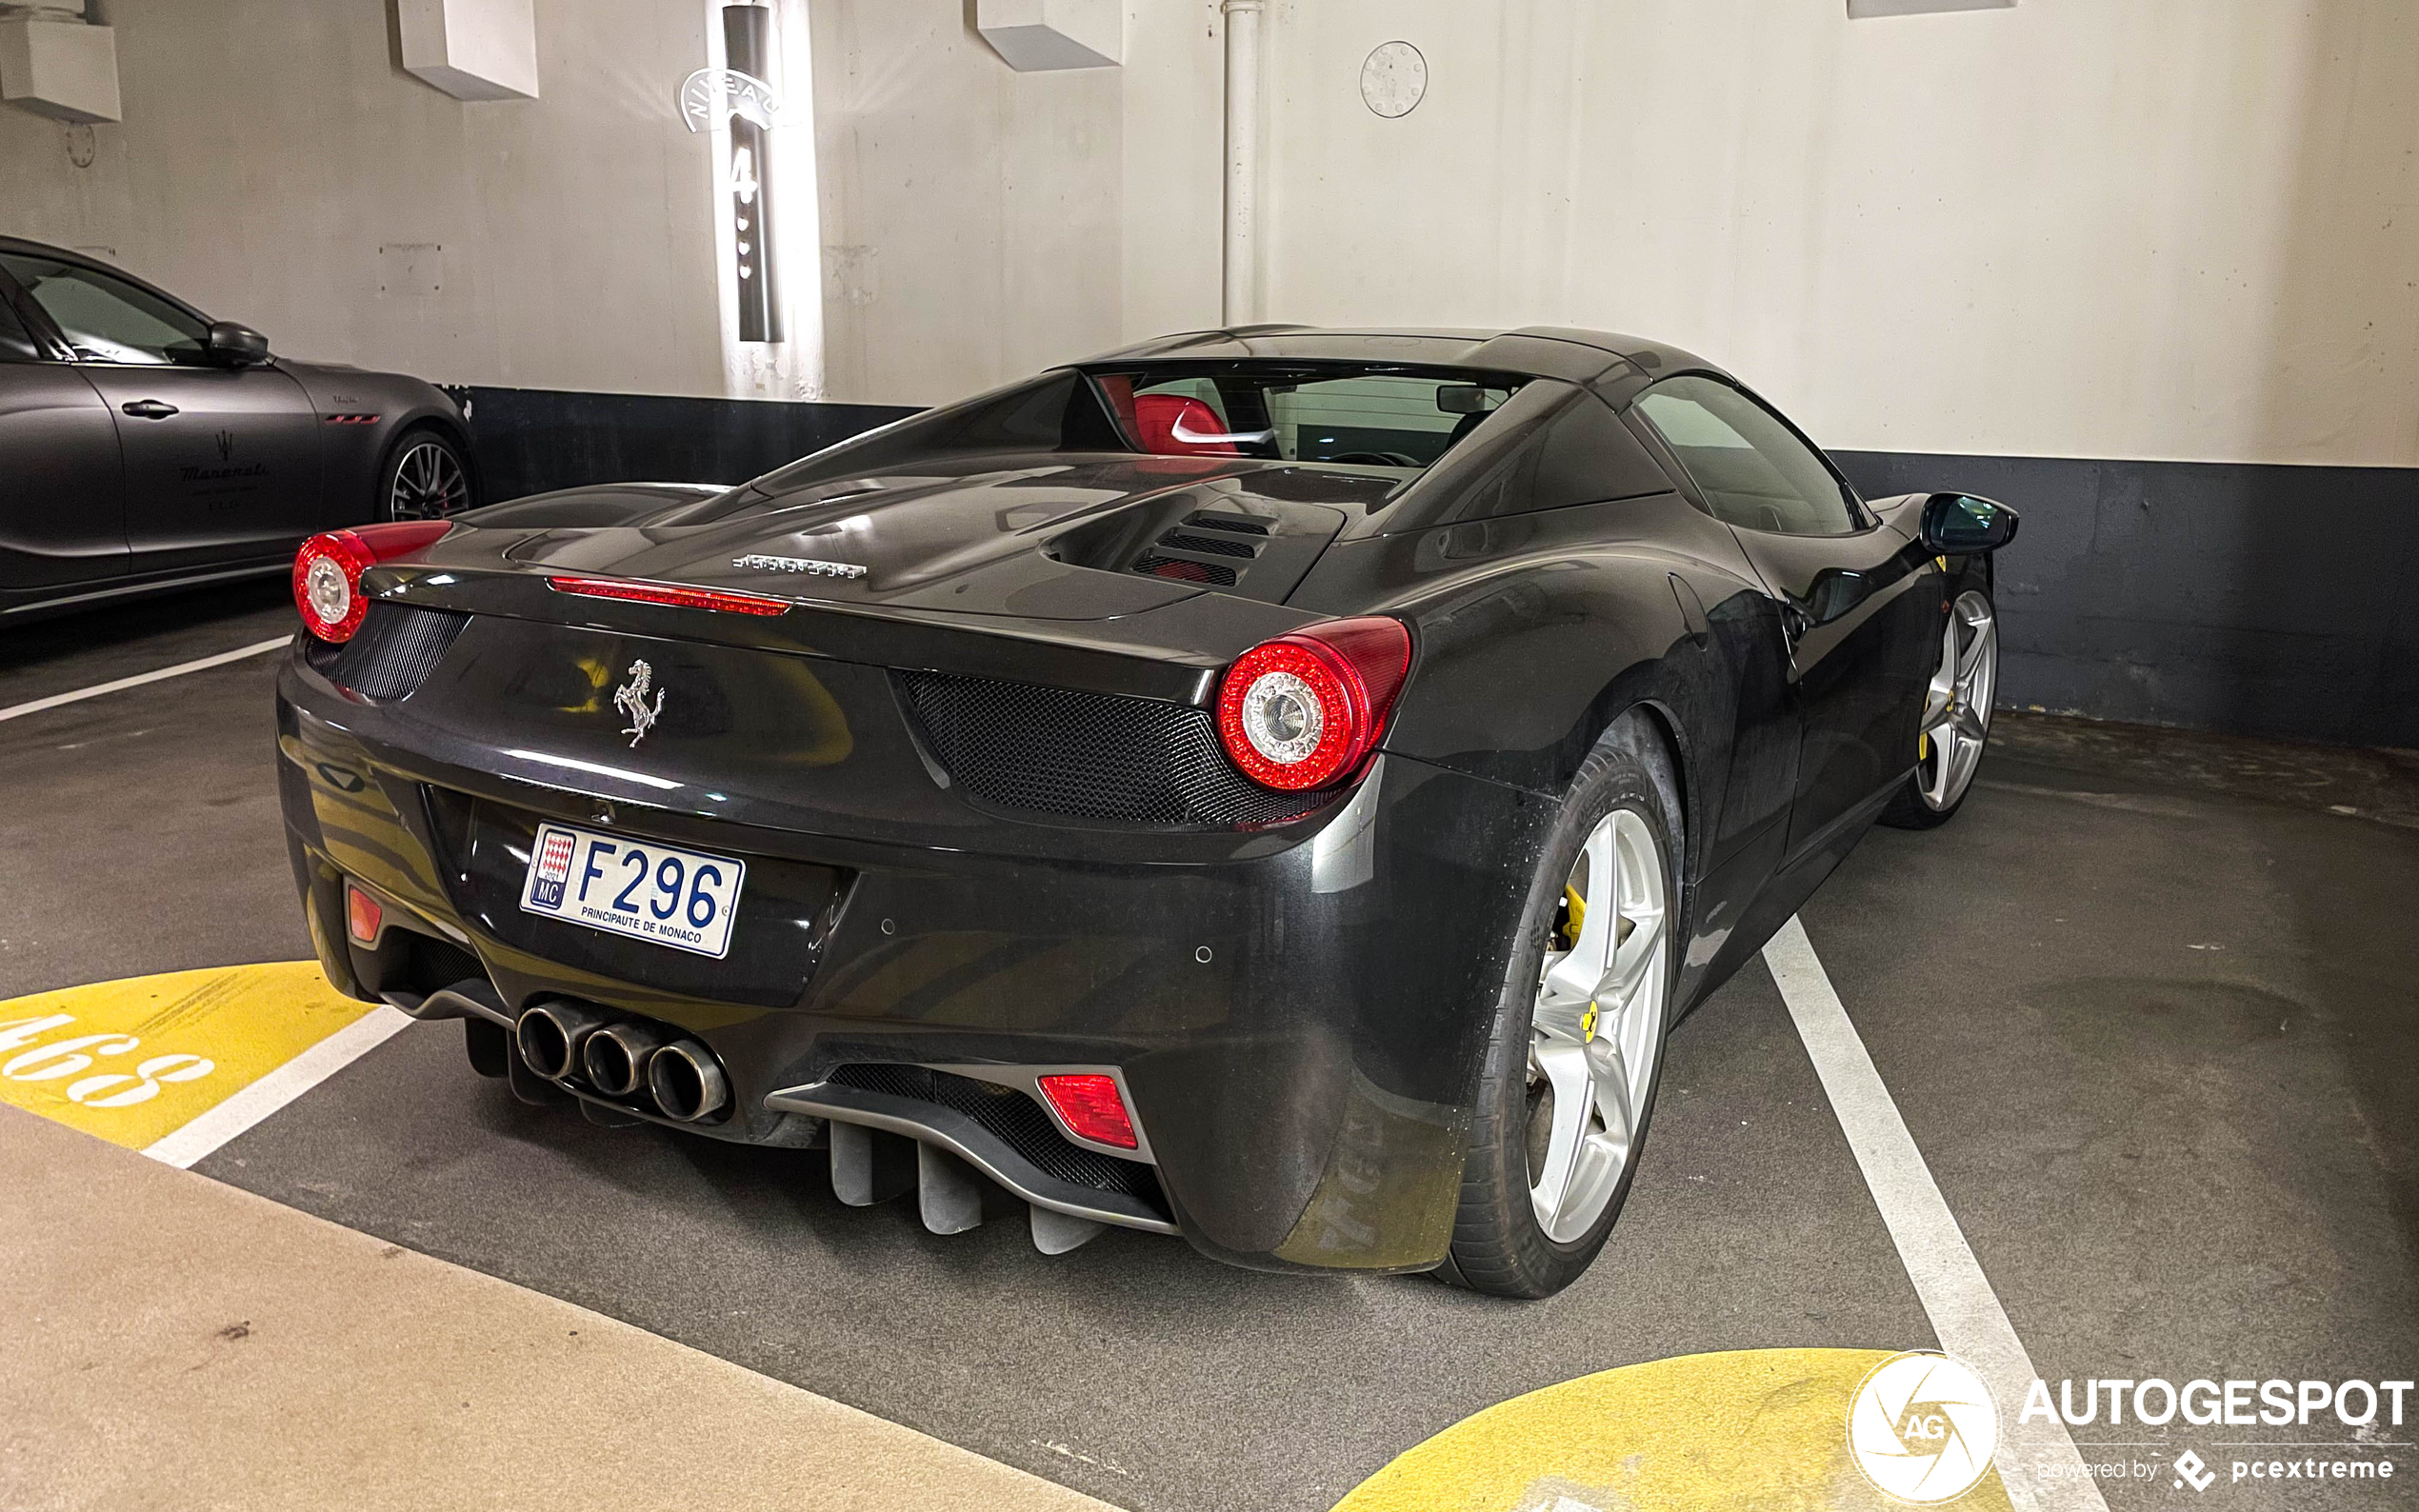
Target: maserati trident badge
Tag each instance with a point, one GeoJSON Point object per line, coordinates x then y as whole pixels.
{"type": "Point", "coordinates": [631, 698]}
{"type": "Point", "coordinates": [798, 564]}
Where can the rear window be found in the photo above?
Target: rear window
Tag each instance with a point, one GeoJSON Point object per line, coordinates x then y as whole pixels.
{"type": "Point", "coordinates": [1354, 415]}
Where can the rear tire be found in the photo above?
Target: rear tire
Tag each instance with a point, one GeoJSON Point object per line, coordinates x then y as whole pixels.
{"type": "Point", "coordinates": [424, 477]}
{"type": "Point", "coordinates": [1542, 1185]}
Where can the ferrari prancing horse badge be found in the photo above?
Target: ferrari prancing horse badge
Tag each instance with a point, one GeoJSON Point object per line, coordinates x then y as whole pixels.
{"type": "Point", "coordinates": [631, 698]}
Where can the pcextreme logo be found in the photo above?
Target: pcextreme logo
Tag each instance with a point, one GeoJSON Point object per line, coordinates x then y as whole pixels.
{"type": "Point", "coordinates": [1923, 1427]}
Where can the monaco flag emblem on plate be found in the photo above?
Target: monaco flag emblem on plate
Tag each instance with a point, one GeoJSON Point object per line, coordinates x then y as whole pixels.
{"type": "Point", "coordinates": [658, 893]}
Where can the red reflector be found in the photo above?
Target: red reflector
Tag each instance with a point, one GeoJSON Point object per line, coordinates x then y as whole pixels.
{"type": "Point", "coordinates": [1088, 1103]}
{"type": "Point", "coordinates": [666, 594]}
{"type": "Point", "coordinates": [361, 915]}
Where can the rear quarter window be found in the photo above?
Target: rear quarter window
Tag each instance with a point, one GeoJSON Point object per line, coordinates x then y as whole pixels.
{"type": "Point", "coordinates": [16, 345]}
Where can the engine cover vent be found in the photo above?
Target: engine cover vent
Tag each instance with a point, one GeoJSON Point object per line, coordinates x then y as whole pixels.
{"type": "Point", "coordinates": [1190, 550]}
{"type": "Point", "coordinates": [1238, 523]}
{"type": "Point", "coordinates": [1227, 538]}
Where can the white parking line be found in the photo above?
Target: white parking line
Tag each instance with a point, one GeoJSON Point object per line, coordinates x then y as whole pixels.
{"type": "Point", "coordinates": [200, 665]}
{"type": "Point", "coordinates": [204, 1135]}
{"type": "Point", "coordinates": [1965, 1312]}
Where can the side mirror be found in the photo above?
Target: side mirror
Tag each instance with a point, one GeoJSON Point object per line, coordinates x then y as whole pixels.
{"type": "Point", "coordinates": [233, 346]}
{"type": "Point", "coordinates": [1962, 524]}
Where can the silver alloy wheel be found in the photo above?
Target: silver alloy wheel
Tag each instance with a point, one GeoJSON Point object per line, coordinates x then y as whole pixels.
{"type": "Point", "coordinates": [429, 484]}
{"type": "Point", "coordinates": [1957, 705]}
{"type": "Point", "coordinates": [1597, 1032]}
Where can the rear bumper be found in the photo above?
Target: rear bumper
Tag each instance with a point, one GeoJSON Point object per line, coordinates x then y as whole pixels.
{"type": "Point", "coordinates": [1297, 1013]}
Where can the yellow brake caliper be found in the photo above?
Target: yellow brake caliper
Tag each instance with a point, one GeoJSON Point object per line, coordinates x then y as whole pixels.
{"type": "Point", "coordinates": [1576, 911]}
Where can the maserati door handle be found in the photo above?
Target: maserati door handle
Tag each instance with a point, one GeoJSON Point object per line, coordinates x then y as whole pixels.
{"type": "Point", "coordinates": [149, 409]}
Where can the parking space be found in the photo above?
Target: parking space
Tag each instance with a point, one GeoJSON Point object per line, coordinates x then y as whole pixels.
{"type": "Point", "coordinates": [2153, 1037]}
{"type": "Point", "coordinates": [2157, 1038]}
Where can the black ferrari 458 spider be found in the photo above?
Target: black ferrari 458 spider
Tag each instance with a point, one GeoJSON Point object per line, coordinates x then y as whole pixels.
{"type": "Point", "coordinates": [145, 447]}
{"type": "Point", "coordinates": [1276, 786]}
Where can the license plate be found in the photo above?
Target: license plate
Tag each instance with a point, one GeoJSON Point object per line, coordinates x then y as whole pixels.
{"type": "Point", "coordinates": [661, 894]}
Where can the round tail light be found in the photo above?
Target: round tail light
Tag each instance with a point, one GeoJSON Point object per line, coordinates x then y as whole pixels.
{"type": "Point", "coordinates": [328, 570]}
{"type": "Point", "coordinates": [1302, 710]}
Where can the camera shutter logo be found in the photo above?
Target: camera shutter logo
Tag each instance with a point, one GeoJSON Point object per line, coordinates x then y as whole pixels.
{"type": "Point", "coordinates": [1923, 1427]}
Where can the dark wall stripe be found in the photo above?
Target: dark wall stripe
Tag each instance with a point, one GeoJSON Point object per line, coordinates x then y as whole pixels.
{"type": "Point", "coordinates": [532, 440]}
{"type": "Point", "coordinates": [2245, 598]}
{"type": "Point", "coordinates": [2240, 597]}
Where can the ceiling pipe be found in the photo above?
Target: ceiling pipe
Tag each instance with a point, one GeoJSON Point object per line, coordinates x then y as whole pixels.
{"type": "Point", "coordinates": [1238, 305]}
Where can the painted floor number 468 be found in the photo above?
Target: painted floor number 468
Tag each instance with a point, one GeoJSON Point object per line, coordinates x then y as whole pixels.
{"type": "Point", "coordinates": [55, 1060]}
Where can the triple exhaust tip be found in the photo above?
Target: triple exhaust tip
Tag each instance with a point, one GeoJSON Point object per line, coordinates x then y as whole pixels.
{"type": "Point", "coordinates": [561, 1040]}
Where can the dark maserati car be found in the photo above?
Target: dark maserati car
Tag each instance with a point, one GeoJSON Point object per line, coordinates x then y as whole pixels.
{"type": "Point", "coordinates": [144, 447]}
{"type": "Point", "coordinates": [1275, 787]}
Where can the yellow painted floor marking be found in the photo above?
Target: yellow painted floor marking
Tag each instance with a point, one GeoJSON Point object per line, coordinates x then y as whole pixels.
{"type": "Point", "coordinates": [132, 1060]}
{"type": "Point", "coordinates": [1765, 1429]}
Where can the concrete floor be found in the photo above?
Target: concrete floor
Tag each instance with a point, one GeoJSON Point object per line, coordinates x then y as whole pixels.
{"type": "Point", "coordinates": [192, 1327]}
{"type": "Point", "coordinates": [2147, 1008]}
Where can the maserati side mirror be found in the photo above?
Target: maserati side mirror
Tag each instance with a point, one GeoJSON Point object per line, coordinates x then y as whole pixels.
{"type": "Point", "coordinates": [233, 346]}
{"type": "Point", "coordinates": [1962, 524]}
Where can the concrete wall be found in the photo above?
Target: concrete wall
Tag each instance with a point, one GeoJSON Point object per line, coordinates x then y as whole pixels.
{"type": "Point", "coordinates": [272, 148]}
{"type": "Point", "coordinates": [981, 223]}
{"type": "Point", "coordinates": [2163, 228]}
{"type": "Point", "coordinates": [972, 213]}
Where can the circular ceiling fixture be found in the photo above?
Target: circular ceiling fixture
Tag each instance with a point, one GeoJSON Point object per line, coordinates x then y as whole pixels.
{"type": "Point", "coordinates": [1393, 78]}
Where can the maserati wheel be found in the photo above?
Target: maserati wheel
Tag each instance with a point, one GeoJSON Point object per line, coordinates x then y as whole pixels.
{"type": "Point", "coordinates": [424, 479]}
{"type": "Point", "coordinates": [1956, 722]}
{"type": "Point", "coordinates": [1577, 1047]}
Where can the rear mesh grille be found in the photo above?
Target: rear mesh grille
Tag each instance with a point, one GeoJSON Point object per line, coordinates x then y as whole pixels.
{"type": "Point", "coordinates": [1015, 1119]}
{"type": "Point", "coordinates": [395, 649]}
{"type": "Point", "coordinates": [1054, 750]}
